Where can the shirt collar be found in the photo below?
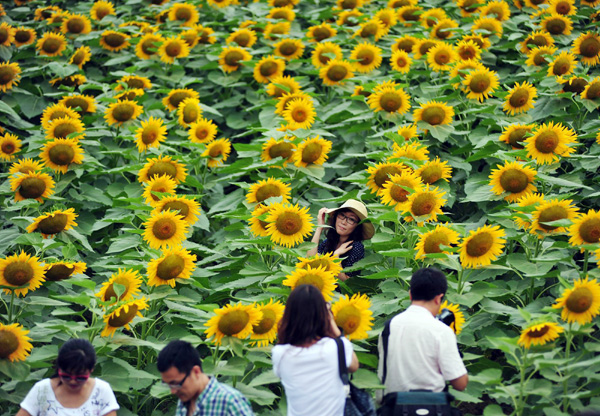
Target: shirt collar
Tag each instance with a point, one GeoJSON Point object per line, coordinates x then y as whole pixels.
{"type": "Point", "coordinates": [212, 385]}
{"type": "Point", "coordinates": [421, 310]}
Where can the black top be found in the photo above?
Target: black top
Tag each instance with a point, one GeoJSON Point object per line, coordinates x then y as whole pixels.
{"type": "Point", "coordinates": [356, 253]}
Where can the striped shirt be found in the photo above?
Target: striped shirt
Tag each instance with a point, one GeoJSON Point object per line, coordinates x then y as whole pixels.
{"type": "Point", "coordinates": [356, 253]}
{"type": "Point", "coordinates": [218, 400]}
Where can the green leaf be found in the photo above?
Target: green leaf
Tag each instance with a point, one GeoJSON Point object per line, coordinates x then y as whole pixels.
{"type": "Point", "coordinates": [259, 395]}
{"type": "Point", "coordinates": [123, 243]}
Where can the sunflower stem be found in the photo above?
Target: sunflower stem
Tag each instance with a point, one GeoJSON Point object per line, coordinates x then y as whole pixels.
{"type": "Point", "coordinates": [12, 304]}
{"type": "Point", "coordinates": [586, 256]}
{"type": "Point", "coordinates": [569, 336]}
{"type": "Point", "coordinates": [522, 383]}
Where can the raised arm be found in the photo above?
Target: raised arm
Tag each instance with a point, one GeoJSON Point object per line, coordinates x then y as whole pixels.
{"type": "Point", "coordinates": [317, 235]}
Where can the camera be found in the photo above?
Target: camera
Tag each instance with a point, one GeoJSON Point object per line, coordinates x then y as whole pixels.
{"type": "Point", "coordinates": [446, 316]}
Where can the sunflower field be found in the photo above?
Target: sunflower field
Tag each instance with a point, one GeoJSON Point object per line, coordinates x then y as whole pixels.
{"type": "Point", "coordinates": [162, 164]}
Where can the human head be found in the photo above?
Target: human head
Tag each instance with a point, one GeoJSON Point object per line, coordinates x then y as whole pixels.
{"type": "Point", "coordinates": [179, 364]}
{"type": "Point", "coordinates": [76, 356]}
{"type": "Point", "coordinates": [335, 220]}
{"type": "Point", "coordinates": [305, 318]}
{"type": "Point", "coordinates": [427, 283]}
{"type": "Point", "coordinates": [365, 230]}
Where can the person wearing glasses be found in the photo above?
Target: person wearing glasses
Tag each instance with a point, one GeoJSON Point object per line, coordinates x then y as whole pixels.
{"type": "Point", "coordinates": [348, 228]}
{"type": "Point", "coordinates": [181, 371]}
{"type": "Point", "coordinates": [71, 391]}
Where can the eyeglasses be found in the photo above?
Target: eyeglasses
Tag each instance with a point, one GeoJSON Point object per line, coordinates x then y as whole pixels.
{"type": "Point", "coordinates": [79, 378]}
{"type": "Point", "coordinates": [176, 386]}
{"type": "Point", "coordinates": [348, 220]}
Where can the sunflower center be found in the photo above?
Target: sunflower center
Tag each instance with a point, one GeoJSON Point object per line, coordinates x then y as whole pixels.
{"type": "Point", "coordinates": [370, 29]}
{"type": "Point", "coordinates": [123, 112]}
{"type": "Point", "coordinates": [590, 230]}
{"type": "Point", "coordinates": [114, 40]}
{"type": "Point", "coordinates": [470, 6]}
{"type": "Point", "coordinates": [162, 168]}
{"type": "Point", "coordinates": [425, 46]}
{"type": "Point", "coordinates": [64, 129]}
{"type": "Point", "coordinates": [348, 318]}
{"type": "Point", "coordinates": [539, 58]}
{"type": "Point", "coordinates": [514, 180]}
{"type": "Point", "coordinates": [337, 73]}
{"type": "Point", "coordinates": [266, 323]}
{"type": "Point", "coordinates": [311, 152]}
{"type": "Point", "coordinates": [398, 193]}
{"type": "Point", "coordinates": [423, 204]}
{"type": "Point", "coordinates": [299, 115]}
{"type": "Point", "coordinates": [170, 267]}
{"type": "Point", "coordinates": [432, 243]}
{"type": "Point", "coordinates": [580, 300]}
{"type": "Point", "coordinates": [311, 279]}
{"type": "Point", "coordinates": [480, 244]}
{"type": "Point", "coordinates": [517, 136]}
{"type": "Point", "coordinates": [110, 290]}
{"type": "Point", "coordinates": [61, 154]}
{"type": "Point", "coordinates": [164, 228]}
{"type": "Point", "coordinates": [215, 151]}
{"type": "Point", "coordinates": [519, 98]}
{"type": "Point", "coordinates": [268, 68]}
{"type": "Point", "coordinates": [538, 333]}
{"type": "Point", "coordinates": [8, 343]}
{"type": "Point", "coordinates": [383, 174]}
{"type": "Point", "coordinates": [233, 322]}
{"type": "Point", "coordinates": [102, 12]}
{"type": "Point", "coordinates": [349, 4]}
{"type": "Point", "coordinates": [8, 148]}
{"type": "Point", "coordinates": [178, 97]}
{"type": "Point", "coordinates": [149, 46]}
{"type": "Point", "coordinates": [180, 207]}
{"type": "Point", "coordinates": [183, 14]}
{"type": "Point", "coordinates": [537, 40]}
{"type": "Point", "coordinates": [443, 32]}
{"type": "Point", "coordinates": [365, 57]}
{"type": "Point", "coordinates": [267, 191]}
{"type": "Point", "coordinates": [467, 53]}
{"type": "Point", "coordinates": [406, 45]}
{"type": "Point", "coordinates": [18, 273]}
{"type": "Point", "coordinates": [75, 25]}
{"type": "Point", "coordinates": [561, 66]}
{"type": "Point", "coordinates": [321, 33]}
{"type": "Point", "coordinates": [411, 15]}
{"type": "Point", "coordinates": [280, 14]}
{"type": "Point", "coordinates": [593, 91]}
{"type": "Point", "coordinates": [173, 49]}
{"type": "Point", "coordinates": [390, 101]}
{"type": "Point", "coordinates": [431, 174]}
{"type": "Point", "coordinates": [32, 188]}
{"type": "Point", "coordinates": [233, 58]}
{"type": "Point", "coordinates": [288, 49]}
{"type": "Point", "coordinates": [590, 47]}
{"type": "Point", "coordinates": [149, 135]}
{"type": "Point", "coordinates": [283, 150]}
{"type": "Point", "coordinates": [122, 318]}
{"type": "Point", "coordinates": [401, 62]}
{"type": "Point", "coordinates": [22, 36]}
{"type": "Point", "coordinates": [242, 39]}
{"type": "Point", "coordinates": [202, 133]}
{"type": "Point", "coordinates": [282, 3]}
{"type": "Point", "coordinates": [190, 114]}
{"type": "Point", "coordinates": [51, 45]}
{"type": "Point", "coordinates": [7, 74]}
{"type": "Point", "coordinates": [433, 115]}
{"type": "Point", "coordinates": [575, 85]}
{"type": "Point", "coordinates": [58, 272]}
{"type": "Point", "coordinates": [556, 26]}
{"type": "Point", "coordinates": [77, 102]}
{"type": "Point", "coordinates": [480, 83]}
{"type": "Point", "coordinates": [319, 263]}
{"type": "Point", "coordinates": [288, 223]}
{"type": "Point", "coordinates": [54, 224]}
{"type": "Point", "coordinates": [546, 142]}
{"type": "Point", "coordinates": [552, 214]}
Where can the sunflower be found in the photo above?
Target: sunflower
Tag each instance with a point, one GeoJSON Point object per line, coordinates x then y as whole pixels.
{"type": "Point", "coordinates": [539, 334]}
{"type": "Point", "coordinates": [538, 56]}
{"type": "Point", "coordinates": [580, 304]}
{"type": "Point", "coordinates": [189, 111]}
{"type": "Point", "coordinates": [282, 85]}
{"type": "Point", "coordinates": [550, 141]}
{"type": "Point", "coordinates": [321, 32]}
{"type": "Point", "coordinates": [54, 222]}
{"type": "Point", "coordinates": [409, 14]}
{"type": "Point", "coordinates": [482, 246]}
{"type": "Point", "coordinates": [288, 224]}
{"type": "Point", "coordinates": [59, 154]}
{"type": "Point", "coordinates": [162, 165]}
{"type": "Point", "coordinates": [231, 58]}
{"type": "Point", "coordinates": [76, 24]}
{"type": "Point", "coordinates": [101, 9]}
{"type": "Point", "coordinates": [289, 49]}
{"type": "Point", "coordinates": [176, 96]}
{"type": "Point", "coordinates": [163, 184]}
{"type": "Point", "coordinates": [217, 152]}
{"type": "Point", "coordinates": [592, 90]}
{"type": "Point", "coordinates": [51, 44]}
{"type": "Point", "coordinates": [151, 134]}
{"type": "Point", "coordinates": [32, 185]}
{"type": "Point", "coordinates": [183, 13]}
{"type": "Point", "coordinates": [459, 317]}
{"type": "Point", "coordinates": [434, 113]}
{"type": "Point", "coordinates": [190, 37]}
{"type": "Point", "coordinates": [43, 13]}
{"type": "Point", "coordinates": [434, 170]}
{"type": "Point", "coordinates": [56, 19]}
{"type": "Point", "coordinates": [299, 114]}
{"type": "Point", "coordinates": [129, 279]}
{"type": "Point", "coordinates": [483, 42]}
{"type": "Point", "coordinates": [114, 41]}
{"type": "Point", "coordinates": [234, 320]}
{"type": "Point", "coordinates": [328, 261]}
{"type": "Point", "coordinates": [398, 187]}
{"type": "Point", "coordinates": [557, 24]}
{"type": "Point", "coordinates": [148, 45]}
{"type": "Point", "coordinates": [122, 111]}
{"type": "Point", "coordinates": [220, 3]}
{"type": "Point", "coordinates": [312, 151]}
{"type": "Point", "coordinates": [429, 243]}
{"type": "Point", "coordinates": [205, 35]}
{"type": "Point", "coordinates": [130, 94]}
{"type": "Point", "coordinates": [265, 331]}
{"type": "Point", "coordinates": [202, 131]}
{"type": "Point", "coordinates": [405, 43]}
{"type": "Point", "coordinates": [499, 10]}
{"type": "Point", "coordinates": [389, 99]}
{"type": "Point", "coordinates": [80, 103]}
{"type": "Point", "coordinates": [536, 39]}
{"type": "Point", "coordinates": [175, 263]}
{"type": "Point", "coordinates": [70, 81]}
{"type": "Point", "coordinates": [10, 145]}
{"type": "Point", "coordinates": [9, 75]}
{"type": "Point", "coordinates": [528, 203]}
{"type": "Point", "coordinates": [367, 57]}
{"type": "Point", "coordinates": [574, 84]}
{"type": "Point", "coordinates": [321, 56]}
{"type": "Point", "coordinates": [441, 56]}
{"type": "Point", "coordinates": [21, 272]}
{"type": "Point", "coordinates": [278, 148]}
{"type": "Point", "coordinates": [244, 38]}
{"type": "Point", "coordinates": [381, 173]}
{"type": "Point", "coordinates": [408, 131]}
{"type": "Point", "coordinates": [268, 67]}
{"type": "Point", "coordinates": [122, 316]}
{"type": "Point", "coordinates": [348, 17]}
{"type": "Point", "coordinates": [274, 31]}
{"type": "Point", "coordinates": [165, 229]}
{"type": "Point", "coordinates": [413, 151]}
{"type": "Point", "coordinates": [25, 166]}
{"type": "Point", "coordinates": [430, 17]}
{"type": "Point", "coordinates": [172, 48]}
{"type": "Point", "coordinates": [479, 84]}
{"type": "Point", "coordinates": [400, 61]}
{"type": "Point", "coordinates": [588, 46]}
{"type": "Point", "coordinates": [553, 210]}
{"type": "Point", "coordinates": [564, 64]}
{"type": "Point", "coordinates": [349, 4]}
{"type": "Point", "coordinates": [468, 50]}
{"type": "Point", "coordinates": [282, 13]}
{"type": "Point", "coordinates": [7, 34]}
{"type": "Point", "coordinates": [468, 7]}
{"type": "Point", "coordinates": [258, 225]}
{"type": "Point", "coordinates": [14, 343]}
{"type": "Point", "coordinates": [24, 36]}
{"type": "Point", "coordinates": [318, 277]}
{"type": "Point", "coordinates": [371, 29]}
{"type": "Point", "coordinates": [514, 179]}
{"type": "Point", "coordinates": [353, 316]}
{"type": "Point", "coordinates": [520, 98]}
{"type": "Point", "coordinates": [443, 29]}
{"type": "Point", "coordinates": [424, 205]}
{"type": "Point", "coordinates": [54, 272]}
{"type": "Point", "coordinates": [585, 229]}
{"type": "Point", "coordinates": [487, 26]}
{"type": "Point", "coordinates": [187, 208]}
{"type": "Point", "coordinates": [268, 188]}
{"type": "Point", "coordinates": [81, 56]}
{"type": "Point", "coordinates": [564, 7]}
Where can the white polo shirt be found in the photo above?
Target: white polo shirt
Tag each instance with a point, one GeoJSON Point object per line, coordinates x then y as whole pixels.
{"type": "Point", "coordinates": [422, 353]}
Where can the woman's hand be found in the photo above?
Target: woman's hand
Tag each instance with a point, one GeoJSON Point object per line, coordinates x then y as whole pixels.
{"type": "Point", "coordinates": [321, 216]}
{"type": "Point", "coordinates": [344, 248]}
{"type": "Point", "coordinates": [335, 330]}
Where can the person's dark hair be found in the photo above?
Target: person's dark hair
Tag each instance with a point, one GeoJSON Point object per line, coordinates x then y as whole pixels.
{"type": "Point", "coordinates": [76, 356]}
{"type": "Point", "coordinates": [179, 354]}
{"type": "Point", "coordinates": [333, 238]}
{"type": "Point", "coordinates": [589, 412]}
{"type": "Point", "coordinates": [305, 318]}
{"type": "Point", "coordinates": [427, 283]}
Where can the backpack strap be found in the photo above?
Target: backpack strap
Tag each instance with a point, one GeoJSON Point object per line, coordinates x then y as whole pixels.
{"type": "Point", "coordinates": [342, 368]}
{"type": "Point", "coordinates": [385, 336]}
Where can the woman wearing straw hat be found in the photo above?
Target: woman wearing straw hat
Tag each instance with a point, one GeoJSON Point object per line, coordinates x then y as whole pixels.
{"type": "Point", "coordinates": [348, 227]}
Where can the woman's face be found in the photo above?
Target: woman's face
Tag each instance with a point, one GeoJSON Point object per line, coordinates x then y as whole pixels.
{"type": "Point", "coordinates": [346, 222]}
{"type": "Point", "coordinates": [74, 382]}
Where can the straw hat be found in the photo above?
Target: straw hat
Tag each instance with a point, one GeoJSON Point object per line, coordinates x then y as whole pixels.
{"type": "Point", "coordinates": [361, 212]}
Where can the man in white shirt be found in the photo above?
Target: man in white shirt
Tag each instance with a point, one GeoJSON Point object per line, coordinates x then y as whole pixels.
{"type": "Point", "coordinates": [422, 351]}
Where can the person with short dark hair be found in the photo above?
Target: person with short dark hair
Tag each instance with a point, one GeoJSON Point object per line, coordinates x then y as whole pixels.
{"type": "Point", "coordinates": [422, 351]}
{"type": "Point", "coordinates": [181, 370]}
{"type": "Point", "coordinates": [71, 391]}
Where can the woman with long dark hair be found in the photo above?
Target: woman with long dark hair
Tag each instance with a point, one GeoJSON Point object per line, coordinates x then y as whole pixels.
{"type": "Point", "coordinates": [71, 391]}
{"type": "Point", "coordinates": [348, 228]}
{"type": "Point", "coordinates": [306, 358]}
